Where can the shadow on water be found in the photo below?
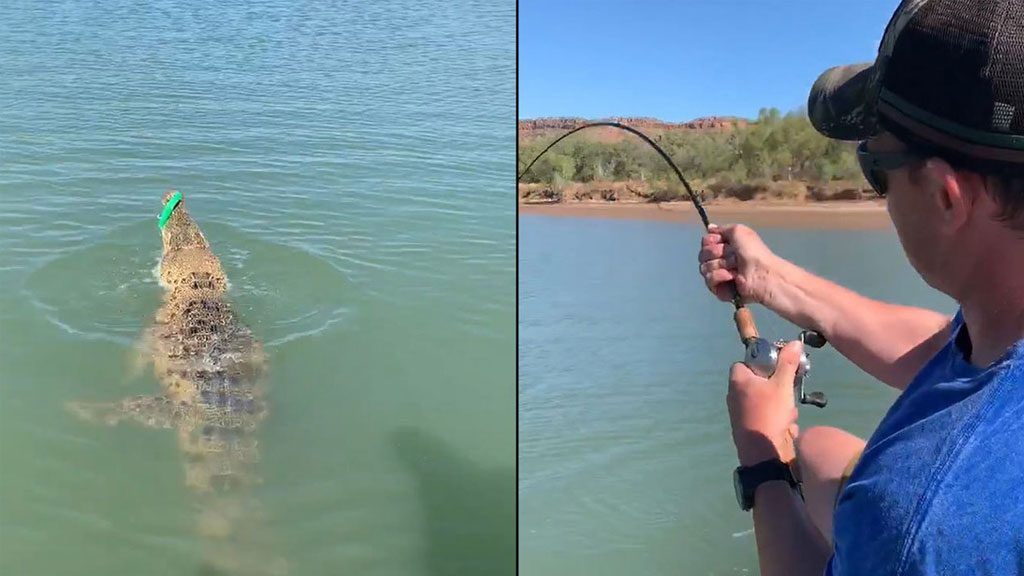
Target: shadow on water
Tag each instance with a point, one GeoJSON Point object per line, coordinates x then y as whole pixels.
{"type": "Point", "coordinates": [468, 511]}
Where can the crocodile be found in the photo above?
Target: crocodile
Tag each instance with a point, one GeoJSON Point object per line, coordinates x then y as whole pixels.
{"type": "Point", "coordinates": [212, 371]}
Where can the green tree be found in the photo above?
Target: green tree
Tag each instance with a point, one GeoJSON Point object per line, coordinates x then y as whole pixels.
{"type": "Point", "coordinates": [774, 145]}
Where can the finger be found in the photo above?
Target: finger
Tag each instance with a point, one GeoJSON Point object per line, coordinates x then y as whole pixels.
{"type": "Point", "coordinates": [723, 292]}
{"type": "Point", "coordinates": [789, 361]}
{"type": "Point", "coordinates": [715, 278]}
{"type": "Point", "coordinates": [727, 231]}
{"type": "Point", "coordinates": [711, 266]}
{"type": "Point", "coordinates": [729, 263]}
{"type": "Point", "coordinates": [710, 252]}
{"type": "Point", "coordinates": [715, 251]}
{"type": "Point", "coordinates": [710, 240]}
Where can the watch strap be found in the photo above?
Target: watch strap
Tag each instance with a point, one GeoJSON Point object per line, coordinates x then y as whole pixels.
{"type": "Point", "coordinates": [750, 477]}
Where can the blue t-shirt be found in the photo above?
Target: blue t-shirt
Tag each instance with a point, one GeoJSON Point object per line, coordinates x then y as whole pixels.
{"type": "Point", "coordinates": [939, 488]}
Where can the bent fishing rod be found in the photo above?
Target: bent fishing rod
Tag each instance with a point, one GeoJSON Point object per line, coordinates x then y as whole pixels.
{"type": "Point", "coordinates": [761, 355]}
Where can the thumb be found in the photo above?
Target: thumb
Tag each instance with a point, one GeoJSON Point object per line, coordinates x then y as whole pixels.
{"type": "Point", "coordinates": [725, 231]}
{"type": "Point", "coordinates": [789, 361]}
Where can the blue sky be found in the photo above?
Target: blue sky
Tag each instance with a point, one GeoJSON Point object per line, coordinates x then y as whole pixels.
{"type": "Point", "coordinates": [685, 59]}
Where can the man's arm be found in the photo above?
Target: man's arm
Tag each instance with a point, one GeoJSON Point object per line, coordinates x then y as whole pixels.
{"type": "Point", "coordinates": [888, 341]}
{"type": "Point", "coordinates": [788, 543]}
{"type": "Point", "coordinates": [763, 415]}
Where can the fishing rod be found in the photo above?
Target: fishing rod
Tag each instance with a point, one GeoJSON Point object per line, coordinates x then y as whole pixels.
{"type": "Point", "coordinates": [761, 355]}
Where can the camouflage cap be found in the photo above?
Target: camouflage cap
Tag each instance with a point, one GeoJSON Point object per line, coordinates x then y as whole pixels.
{"type": "Point", "coordinates": [949, 73]}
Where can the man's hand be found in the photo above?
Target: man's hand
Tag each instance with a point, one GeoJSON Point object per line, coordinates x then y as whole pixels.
{"type": "Point", "coordinates": [763, 412]}
{"type": "Point", "coordinates": [736, 253]}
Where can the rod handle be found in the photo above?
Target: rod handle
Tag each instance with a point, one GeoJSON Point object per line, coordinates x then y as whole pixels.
{"type": "Point", "coordinates": [744, 319]}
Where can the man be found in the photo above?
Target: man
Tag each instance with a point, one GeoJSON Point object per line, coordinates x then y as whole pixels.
{"type": "Point", "coordinates": [939, 487]}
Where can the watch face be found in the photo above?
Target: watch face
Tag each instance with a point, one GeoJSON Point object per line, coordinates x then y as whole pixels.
{"type": "Point", "coordinates": [737, 485]}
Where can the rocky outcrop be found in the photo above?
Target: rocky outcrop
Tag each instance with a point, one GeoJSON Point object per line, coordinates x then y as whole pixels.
{"type": "Point", "coordinates": [534, 127]}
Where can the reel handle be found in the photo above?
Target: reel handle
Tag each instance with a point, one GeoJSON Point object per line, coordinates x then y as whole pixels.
{"type": "Point", "coordinates": [815, 399]}
{"type": "Point", "coordinates": [813, 338]}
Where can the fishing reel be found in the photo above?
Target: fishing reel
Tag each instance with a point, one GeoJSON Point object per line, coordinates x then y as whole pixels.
{"type": "Point", "coordinates": [762, 357]}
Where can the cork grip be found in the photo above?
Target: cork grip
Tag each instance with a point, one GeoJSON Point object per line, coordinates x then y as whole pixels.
{"type": "Point", "coordinates": [745, 324]}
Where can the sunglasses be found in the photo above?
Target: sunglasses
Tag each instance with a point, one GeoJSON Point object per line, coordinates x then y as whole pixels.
{"type": "Point", "coordinates": [874, 165]}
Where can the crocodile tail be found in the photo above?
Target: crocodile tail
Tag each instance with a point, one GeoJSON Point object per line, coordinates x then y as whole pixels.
{"type": "Point", "coordinates": [230, 519]}
{"type": "Point", "coordinates": [235, 539]}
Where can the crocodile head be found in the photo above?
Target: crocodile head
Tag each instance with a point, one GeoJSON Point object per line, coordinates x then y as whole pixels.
{"type": "Point", "coordinates": [185, 250]}
{"type": "Point", "coordinates": [180, 231]}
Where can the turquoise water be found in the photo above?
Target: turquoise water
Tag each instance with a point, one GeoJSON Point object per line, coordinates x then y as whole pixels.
{"type": "Point", "coordinates": [625, 455]}
{"type": "Point", "coordinates": [351, 164]}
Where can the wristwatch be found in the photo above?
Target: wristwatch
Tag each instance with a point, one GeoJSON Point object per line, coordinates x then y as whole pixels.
{"type": "Point", "coordinates": [746, 479]}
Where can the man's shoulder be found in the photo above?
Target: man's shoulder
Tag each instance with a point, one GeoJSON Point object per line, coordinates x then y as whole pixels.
{"type": "Point", "coordinates": [940, 470]}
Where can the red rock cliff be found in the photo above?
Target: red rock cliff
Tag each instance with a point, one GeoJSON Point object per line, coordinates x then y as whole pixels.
{"type": "Point", "coordinates": [534, 127]}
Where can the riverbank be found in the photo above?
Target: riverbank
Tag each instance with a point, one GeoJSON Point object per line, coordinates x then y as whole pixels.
{"type": "Point", "coordinates": [837, 214]}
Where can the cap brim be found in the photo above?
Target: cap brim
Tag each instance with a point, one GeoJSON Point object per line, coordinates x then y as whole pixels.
{"type": "Point", "coordinates": [842, 102]}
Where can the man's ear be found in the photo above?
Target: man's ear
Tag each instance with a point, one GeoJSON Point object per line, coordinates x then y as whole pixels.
{"type": "Point", "coordinates": [954, 193]}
